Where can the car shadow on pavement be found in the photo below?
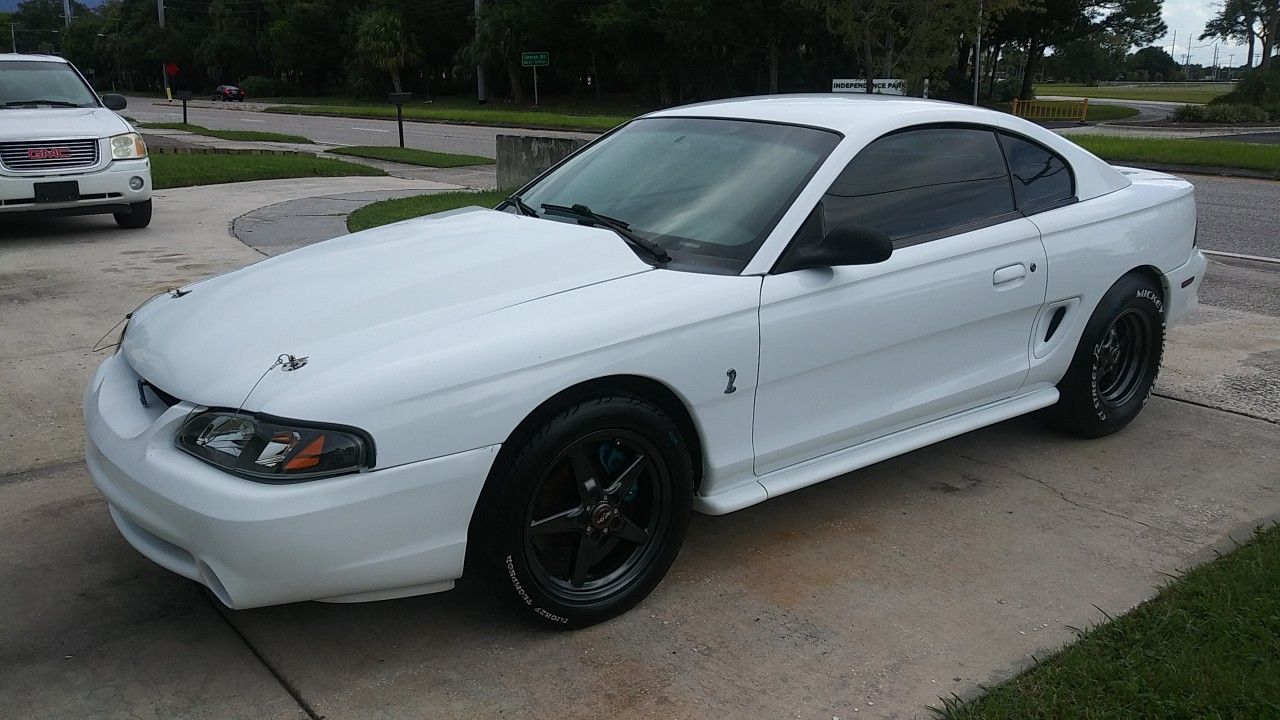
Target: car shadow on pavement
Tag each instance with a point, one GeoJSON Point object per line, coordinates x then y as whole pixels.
{"type": "Point", "coordinates": [66, 230]}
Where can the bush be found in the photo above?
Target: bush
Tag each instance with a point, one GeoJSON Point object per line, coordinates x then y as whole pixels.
{"type": "Point", "coordinates": [260, 86]}
{"type": "Point", "coordinates": [1256, 87]}
{"type": "Point", "coordinates": [1221, 113]}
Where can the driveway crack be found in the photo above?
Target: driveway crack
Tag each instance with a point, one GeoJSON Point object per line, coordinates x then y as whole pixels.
{"type": "Point", "coordinates": [1076, 503]}
{"type": "Point", "coordinates": [275, 672]}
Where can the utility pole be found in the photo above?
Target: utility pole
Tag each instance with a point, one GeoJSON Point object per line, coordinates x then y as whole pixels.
{"type": "Point", "coordinates": [1215, 62]}
{"type": "Point", "coordinates": [66, 11]}
{"type": "Point", "coordinates": [480, 67]}
{"type": "Point", "coordinates": [1173, 48]}
{"type": "Point", "coordinates": [977, 54]}
{"type": "Point", "coordinates": [164, 75]}
{"type": "Point", "coordinates": [13, 36]}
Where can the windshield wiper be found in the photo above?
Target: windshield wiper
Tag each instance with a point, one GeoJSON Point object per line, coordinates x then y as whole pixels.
{"type": "Point", "coordinates": [584, 213]}
{"type": "Point", "coordinates": [522, 206]}
{"type": "Point", "coordinates": [57, 103]}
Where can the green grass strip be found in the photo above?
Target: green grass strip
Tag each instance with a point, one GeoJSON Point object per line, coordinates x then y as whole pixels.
{"type": "Point", "coordinates": [412, 156]}
{"type": "Point", "coordinates": [397, 209]}
{"type": "Point", "coordinates": [1208, 646]}
{"type": "Point", "coordinates": [183, 170]}
{"type": "Point", "coordinates": [468, 116]}
{"type": "Point", "coordinates": [1207, 153]}
{"type": "Point", "coordinates": [245, 135]}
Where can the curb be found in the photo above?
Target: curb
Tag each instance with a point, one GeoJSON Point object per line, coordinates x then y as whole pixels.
{"type": "Point", "coordinates": [226, 151]}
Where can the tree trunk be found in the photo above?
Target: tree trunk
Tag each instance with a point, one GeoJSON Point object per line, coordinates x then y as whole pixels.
{"type": "Point", "coordinates": [995, 62]}
{"type": "Point", "coordinates": [513, 77]}
{"type": "Point", "coordinates": [1034, 52]}
{"type": "Point", "coordinates": [866, 61]}
{"type": "Point", "coordinates": [666, 97]}
{"type": "Point", "coordinates": [773, 60]}
{"type": "Point", "coordinates": [1269, 41]}
{"type": "Point", "coordinates": [395, 79]}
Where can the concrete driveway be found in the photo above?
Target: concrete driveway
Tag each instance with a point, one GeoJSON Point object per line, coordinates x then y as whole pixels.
{"type": "Point", "coordinates": [872, 595]}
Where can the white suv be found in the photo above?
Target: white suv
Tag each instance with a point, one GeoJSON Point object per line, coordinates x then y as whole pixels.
{"type": "Point", "coordinates": [63, 149]}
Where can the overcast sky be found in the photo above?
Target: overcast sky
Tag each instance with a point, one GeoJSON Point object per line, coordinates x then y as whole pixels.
{"type": "Point", "coordinates": [1187, 17]}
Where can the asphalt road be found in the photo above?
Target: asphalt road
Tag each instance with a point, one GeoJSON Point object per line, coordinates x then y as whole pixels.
{"type": "Point", "coordinates": [467, 139]}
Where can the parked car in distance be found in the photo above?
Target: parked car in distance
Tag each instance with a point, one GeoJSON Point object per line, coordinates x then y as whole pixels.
{"type": "Point", "coordinates": [227, 93]}
{"type": "Point", "coordinates": [711, 306]}
{"type": "Point", "coordinates": [63, 149]}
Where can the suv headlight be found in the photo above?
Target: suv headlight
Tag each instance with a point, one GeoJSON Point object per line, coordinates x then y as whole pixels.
{"type": "Point", "coordinates": [274, 449]}
{"type": "Point", "coordinates": [128, 146]}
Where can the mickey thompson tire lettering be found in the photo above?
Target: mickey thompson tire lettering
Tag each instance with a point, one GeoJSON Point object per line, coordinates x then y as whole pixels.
{"type": "Point", "coordinates": [515, 582]}
{"type": "Point", "coordinates": [1114, 367]}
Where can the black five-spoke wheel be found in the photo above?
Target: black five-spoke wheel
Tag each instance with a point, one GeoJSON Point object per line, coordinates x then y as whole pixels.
{"type": "Point", "coordinates": [582, 519]}
{"type": "Point", "coordinates": [614, 483]}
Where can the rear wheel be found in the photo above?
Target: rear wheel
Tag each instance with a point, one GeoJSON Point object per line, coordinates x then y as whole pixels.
{"type": "Point", "coordinates": [590, 513]}
{"type": "Point", "coordinates": [139, 216]}
{"type": "Point", "coordinates": [1117, 360]}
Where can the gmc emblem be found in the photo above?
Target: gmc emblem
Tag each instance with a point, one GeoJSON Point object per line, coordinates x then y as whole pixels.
{"type": "Point", "coordinates": [48, 153]}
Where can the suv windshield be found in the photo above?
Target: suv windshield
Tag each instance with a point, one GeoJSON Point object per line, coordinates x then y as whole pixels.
{"type": "Point", "coordinates": [707, 190]}
{"type": "Point", "coordinates": [25, 82]}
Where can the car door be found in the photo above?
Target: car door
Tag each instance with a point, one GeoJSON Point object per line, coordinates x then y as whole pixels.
{"type": "Point", "coordinates": [849, 354]}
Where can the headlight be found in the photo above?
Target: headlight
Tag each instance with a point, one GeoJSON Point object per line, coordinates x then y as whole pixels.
{"type": "Point", "coordinates": [273, 449]}
{"type": "Point", "coordinates": [128, 146]}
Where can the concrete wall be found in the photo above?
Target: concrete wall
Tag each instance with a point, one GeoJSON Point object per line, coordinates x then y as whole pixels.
{"type": "Point", "coordinates": [522, 157]}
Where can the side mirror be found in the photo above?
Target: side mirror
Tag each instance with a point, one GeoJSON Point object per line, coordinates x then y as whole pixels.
{"type": "Point", "coordinates": [114, 102]}
{"type": "Point", "coordinates": [842, 245]}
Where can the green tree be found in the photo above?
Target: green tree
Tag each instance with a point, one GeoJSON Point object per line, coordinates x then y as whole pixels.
{"type": "Point", "coordinates": [384, 43]}
{"type": "Point", "coordinates": [1154, 62]}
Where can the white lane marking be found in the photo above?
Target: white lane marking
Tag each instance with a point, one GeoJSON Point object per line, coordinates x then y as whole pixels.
{"type": "Point", "coordinates": [1238, 256]}
{"type": "Point", "coordinates": [370, 129]}
{"type": "Point", "coordinates": [251, 120]}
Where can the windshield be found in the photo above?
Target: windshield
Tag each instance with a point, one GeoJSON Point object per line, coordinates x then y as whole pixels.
{"type": "Point", "coordinates": [707, 190]}
{"type": "Point", "coordinates": [42, 83]}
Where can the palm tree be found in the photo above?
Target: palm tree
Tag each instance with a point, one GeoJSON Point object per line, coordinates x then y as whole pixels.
{"type": "Point", "coordinates": [383, 42]}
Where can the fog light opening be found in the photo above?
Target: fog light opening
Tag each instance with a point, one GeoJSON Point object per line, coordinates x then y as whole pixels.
{"type": "Point", "coordinates": [136, 183]}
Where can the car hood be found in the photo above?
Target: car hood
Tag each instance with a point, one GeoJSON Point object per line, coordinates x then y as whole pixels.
{"type": "Point", "coordinates": [59, 124]}
{"type": "Point", "coordinates": [352, 297]}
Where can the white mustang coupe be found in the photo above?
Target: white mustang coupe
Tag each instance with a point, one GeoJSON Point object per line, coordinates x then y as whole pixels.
{"type": "Point", "coordinates": [708, 307]}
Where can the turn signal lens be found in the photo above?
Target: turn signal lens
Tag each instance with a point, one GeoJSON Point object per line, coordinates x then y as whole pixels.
{"type": "Point", "coordinates": [273, 450]}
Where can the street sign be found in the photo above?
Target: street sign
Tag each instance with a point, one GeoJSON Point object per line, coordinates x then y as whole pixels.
{"type": "Point", "coordinates": [882, 86]}
{"type": "Point", "coordinates": [171, 69]}
{"type": "Point", "coordinates": [535, 59]}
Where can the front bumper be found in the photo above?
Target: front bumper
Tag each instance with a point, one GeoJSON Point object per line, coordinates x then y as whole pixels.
{"type": "Point", "coordinates": [1183, 287]}
{"type": "Point", "coordinates": [104, 190]}
{"type": "Point", "coordinates": [369, 536]}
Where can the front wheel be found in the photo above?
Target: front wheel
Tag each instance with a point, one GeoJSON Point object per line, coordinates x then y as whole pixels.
{"type": "Point", "coordinates": [1116, 362]}
{"type": "Point", "coordinates": [587, 517]}
{"type": "Point", "coordinates": [139, 216]}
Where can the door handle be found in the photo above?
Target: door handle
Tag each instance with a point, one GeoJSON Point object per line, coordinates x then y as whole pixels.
{"type": "Point", "coordinates": [1008, 274]}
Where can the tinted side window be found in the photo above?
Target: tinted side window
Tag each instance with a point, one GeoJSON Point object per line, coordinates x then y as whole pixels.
{"type": "Point", "coordinates": [922, 182]}
{"type": "Point", "coordinates": [1040, 177]}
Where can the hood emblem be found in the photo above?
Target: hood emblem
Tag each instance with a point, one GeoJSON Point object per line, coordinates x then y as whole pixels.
{"type": "Point", "coordinates": [177, 293]}
{"type": "Point", "coordinates": [289, 363]}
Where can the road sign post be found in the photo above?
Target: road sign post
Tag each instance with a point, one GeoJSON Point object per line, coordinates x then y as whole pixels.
{"type": "Point", "coordinates": [400, 99]}
{"type": "Point", "coordinates": [535, 60]}
{"type": "Point", "coordinates": [184, 96]}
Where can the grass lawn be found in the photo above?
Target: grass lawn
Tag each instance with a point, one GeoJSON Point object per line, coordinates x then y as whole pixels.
{"type": "Point", "coordinates": [1182, 92]}
{"type": "Point", "coordinates": [1248, 156]}
{"type": "Point", "coordinates": [1208, 646]}
{"type": "Point", "coordinates": [395, 210]}
{"type": "Point", "coordinates": [170, 171]}
{"type": "Point", "coordinates": [470, 113]}
{"type": "Point", "coordinates": [412, 156]}
{"type": "Point", "coordinates": [247, 135]}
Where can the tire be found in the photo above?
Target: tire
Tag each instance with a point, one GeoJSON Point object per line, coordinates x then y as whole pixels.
{"type": "Point", "coordinates": [139, 216]}
{"type": "Point", "coordinates": [1117, 360]}
{"type": "Point", "coordinates": [567, 550]}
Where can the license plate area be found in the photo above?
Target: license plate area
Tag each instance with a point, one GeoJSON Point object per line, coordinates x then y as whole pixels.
{"type": "Point", "coordinates": [57, 191]}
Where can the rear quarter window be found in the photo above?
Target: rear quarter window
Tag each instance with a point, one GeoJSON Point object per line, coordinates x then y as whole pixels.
{"type": "Point", "coordinates": [1041, 178]}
